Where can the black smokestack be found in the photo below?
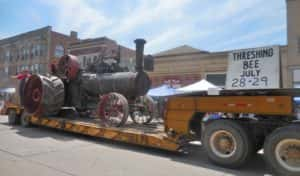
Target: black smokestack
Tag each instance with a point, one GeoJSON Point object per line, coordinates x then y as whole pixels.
{"type": "Point", "coordinates": [139, 67]}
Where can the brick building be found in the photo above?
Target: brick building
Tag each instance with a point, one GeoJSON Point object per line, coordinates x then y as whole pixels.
{"type": "Point", "coordinates": [89, 51]}
{"type": "Point", "coordinates": [31, 51]}
{"type": "Point", "coordinates": [184, 65]}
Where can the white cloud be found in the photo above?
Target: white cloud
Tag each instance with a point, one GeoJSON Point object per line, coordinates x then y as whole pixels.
{"type": "Point", "coordinates": [173, 37]}
{"type": "Point", "coordinates": [249, 38]}
{"type": "Point", "coordinates": [150, 13]}
{"type": "Point", "coordinates": [4, 35]}
{"type": "Point", "coordinates": [80, 16]}
{"type": "Point", "coordinates": [167, 23]}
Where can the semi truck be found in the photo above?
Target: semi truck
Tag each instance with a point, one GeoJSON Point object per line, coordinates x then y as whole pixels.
{"type": "Point", "coordinates": [244, 121]}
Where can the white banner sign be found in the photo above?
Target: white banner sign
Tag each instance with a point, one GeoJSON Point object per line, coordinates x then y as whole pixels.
{"type": "Point", "coordinates": [256, 68]}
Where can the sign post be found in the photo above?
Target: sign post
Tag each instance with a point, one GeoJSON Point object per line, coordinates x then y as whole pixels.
{"type": "Point", "coordinates": [257, 68]}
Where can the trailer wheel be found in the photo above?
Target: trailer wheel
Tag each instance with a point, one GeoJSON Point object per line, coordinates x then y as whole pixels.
{"type": "Point", "coordinates": [12, 117]}
{"type": "Point", "coordinates": [25, 120]}
{"type": "Point", "coordinates": [282, 150]}
{"type": "Point", "coordinates": [227, 143]}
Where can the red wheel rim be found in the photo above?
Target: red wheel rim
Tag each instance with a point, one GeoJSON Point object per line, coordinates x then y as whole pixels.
{"type": "Point", "coordinates": [112, 110]}
{"type": "Point", "coordinates": [36, 95]}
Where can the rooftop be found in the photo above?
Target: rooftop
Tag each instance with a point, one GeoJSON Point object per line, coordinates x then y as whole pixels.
{"type": "Point", "coordinates": [181, 50]}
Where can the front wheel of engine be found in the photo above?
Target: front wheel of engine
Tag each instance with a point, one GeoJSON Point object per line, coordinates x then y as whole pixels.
{"type": "Point", "coordinates": [142, 112]}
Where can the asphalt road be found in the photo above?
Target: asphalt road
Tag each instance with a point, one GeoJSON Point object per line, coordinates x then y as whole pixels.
{"type": "Point", "coordinates": [43, 151]}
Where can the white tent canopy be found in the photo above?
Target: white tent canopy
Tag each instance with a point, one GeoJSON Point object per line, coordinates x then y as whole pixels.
{"type": "Point", "coordinates": [202, 85]}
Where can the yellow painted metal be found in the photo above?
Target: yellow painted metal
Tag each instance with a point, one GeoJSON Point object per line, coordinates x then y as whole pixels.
{"type": "Point", "coordinates": [8, 106]}
{"type": "Point", "coordinates": [178, 120]}
{"type": "Point", "coordinates": [156, 140]}
{"type": "Point", "coordinates": [182, 103]}
{"type": "Point", "coordinates": [180, 110]}
{"type": "Point", "coordinates": [267, 105]}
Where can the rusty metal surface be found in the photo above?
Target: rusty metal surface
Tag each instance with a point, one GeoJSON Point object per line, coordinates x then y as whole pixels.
{"type": "Point", "coordinates": [126, 83]}
{"type": "Point", "coordinates": [43, 95]}
{"type": "Point", "coordinates": [139, 54]}
{"type": "Point", "coordinates": [68, 67]}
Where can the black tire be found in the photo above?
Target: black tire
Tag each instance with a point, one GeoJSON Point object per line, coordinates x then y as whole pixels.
{"type": "Point", "coordinates": [12, 117]}
{"type": "Point", "coordinates": [279, 137]}
{"type": "Point", "coordinates": [240, 140]}
{"type": "Point", "coordinates": [24, 120]}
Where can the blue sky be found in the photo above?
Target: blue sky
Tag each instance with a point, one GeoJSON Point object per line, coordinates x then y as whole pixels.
{"type": "Point", "coordinates": [213, 25]}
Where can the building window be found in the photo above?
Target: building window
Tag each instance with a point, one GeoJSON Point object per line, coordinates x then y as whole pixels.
{"type": "Point", "coordinates": [36, 67]}
{"type": "Point", "coordinates": [17, 57]}
{"type": "Point", "coordinates": [218, 79]}
{"type": "Point", "coordinates": [59, 51]}
{"type": "Point", "coordinates": [84, 61]}
{"type": "Point", "coordinates": [296, 78]}
{"type": "Point", "coordinates": [7, 54]}
{"type": "Point", "coordinates": [37, 50]}
{"type": "Point", "coordinates": [298, 45]}
{"type": "Point", "coordinates": [27, 55]}
{"type": "Point", "coordinates": [89, 61]}
{"type": "Point", "coordinates": [33, 51]}
{"type": "Point", "coordinates": [6, 70]}
{"type": "Point", "coordinates": [22, 53]}
{"type": "Point", "coordinates": [32, 68]}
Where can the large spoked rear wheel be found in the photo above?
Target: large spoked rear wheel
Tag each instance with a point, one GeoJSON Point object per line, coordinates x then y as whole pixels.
{"type": "Point", "coordinates": [282, 150]}
{"type": "Point", "coordinates": [227, 143]}
{"type": "Point", "coordinates": [113, 110]}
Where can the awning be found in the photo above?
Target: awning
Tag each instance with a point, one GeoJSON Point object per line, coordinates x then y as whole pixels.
{"type": "Point", "coordinates": [162, 91]}
{"type": "Point", "coordinates": [297, 100]}
{"type": "Point", "coordinates": [202, 85]}
{"type": "Point", "coordinates": [8, 90]}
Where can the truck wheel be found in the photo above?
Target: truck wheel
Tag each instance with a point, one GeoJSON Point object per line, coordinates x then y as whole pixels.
{"type": "Point", "coordinates": [227, 143]}
{"type": "Point", "coordinates": [12, 117]}
{"type": "Point", "coordinates": [282, 150]}
{"type": "Point", "coordinates": [25, 120]}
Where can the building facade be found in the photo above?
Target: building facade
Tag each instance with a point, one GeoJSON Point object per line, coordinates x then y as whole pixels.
{"type": "Point", "coordinates": [293, 47]}
{"type": "Point", "coordinates": [184, 65]}
{"type": "Point", "coordinates": [32, 51]}
{"type": "Point", "coordinates": [90, 51]}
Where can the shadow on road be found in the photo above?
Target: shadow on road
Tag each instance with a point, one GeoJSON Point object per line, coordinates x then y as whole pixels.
{"type": "Point", "coordinates": [40, 132]}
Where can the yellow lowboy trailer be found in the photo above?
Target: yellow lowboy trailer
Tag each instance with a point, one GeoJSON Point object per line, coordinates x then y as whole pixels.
{"type": "Point", "coordinates": [150, 135]}
{"type": "Point", "coordinates": [232, 126]}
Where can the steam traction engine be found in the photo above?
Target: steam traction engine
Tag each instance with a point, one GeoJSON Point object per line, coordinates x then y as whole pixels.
{"type": "Point", "coordinates": [104, 91]}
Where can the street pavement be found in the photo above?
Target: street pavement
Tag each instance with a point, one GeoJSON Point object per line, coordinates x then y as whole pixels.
{"type": "Point", "coordinates": [42, 151]}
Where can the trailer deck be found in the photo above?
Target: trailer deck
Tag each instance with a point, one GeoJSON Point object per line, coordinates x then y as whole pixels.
{"type": "Point", "coordinates": [146, 135]}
